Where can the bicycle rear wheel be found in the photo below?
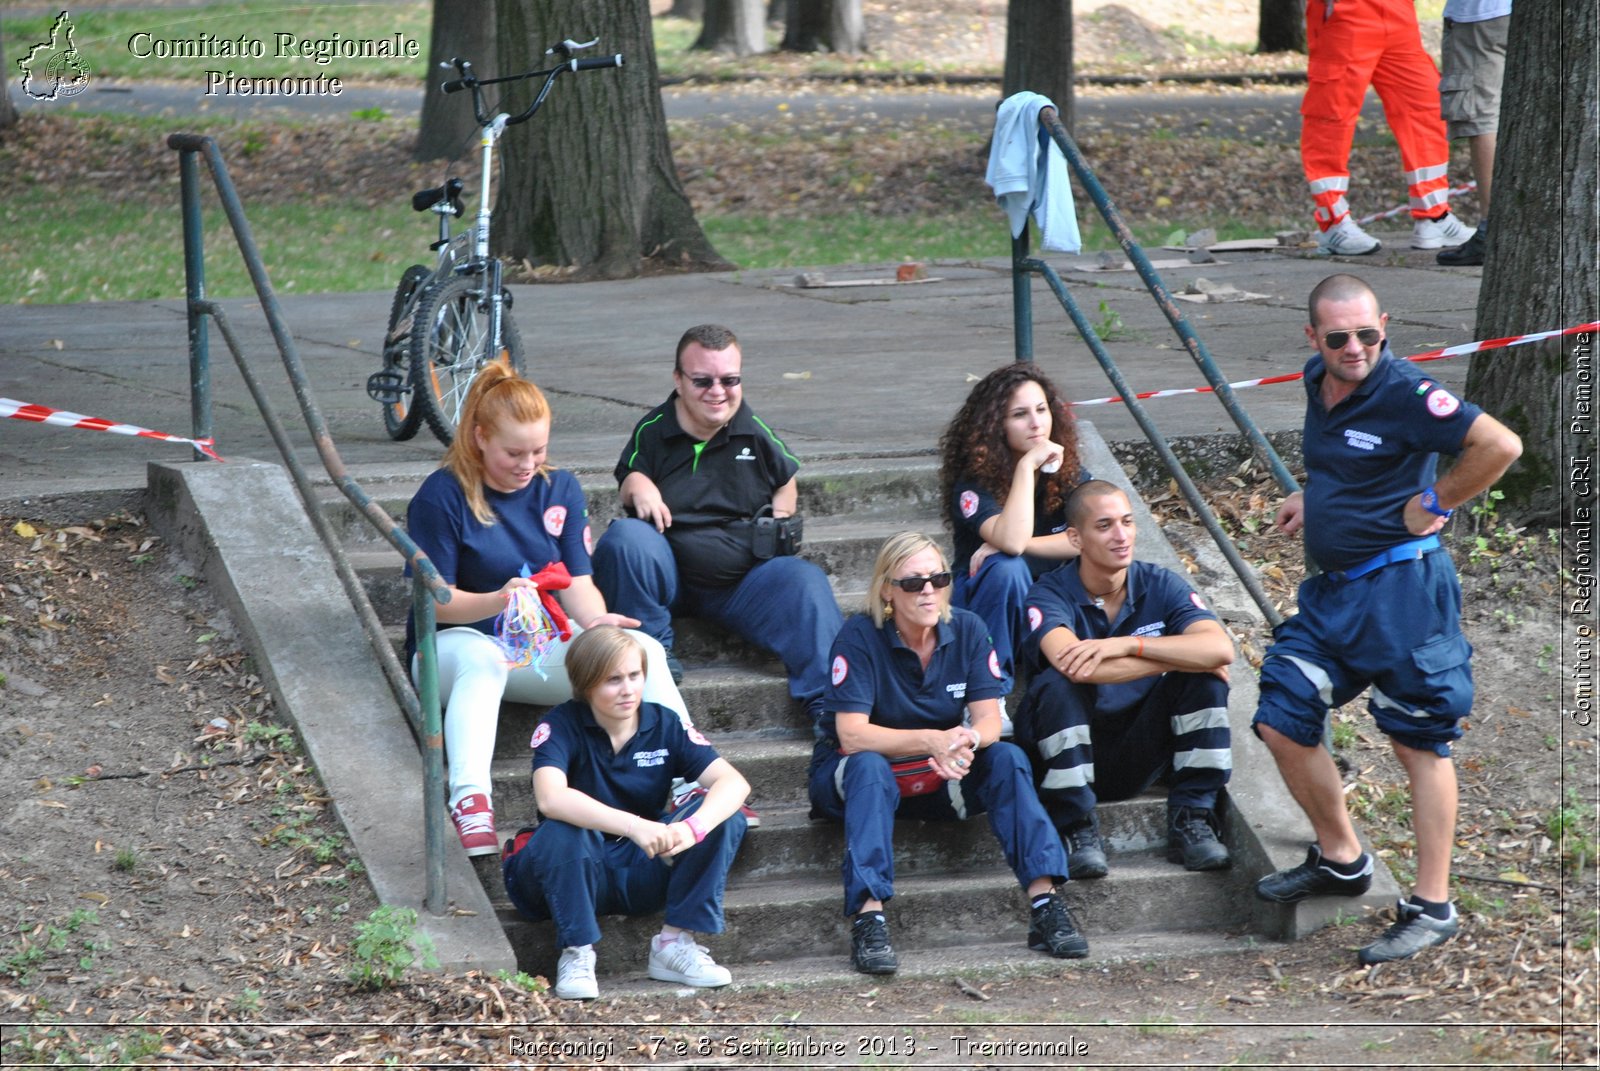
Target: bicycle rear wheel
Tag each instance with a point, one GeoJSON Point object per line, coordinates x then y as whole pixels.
{"type": "Point", "coordinates": [449, 343]}
{"type": "Point", "coordinates": [402, 418]}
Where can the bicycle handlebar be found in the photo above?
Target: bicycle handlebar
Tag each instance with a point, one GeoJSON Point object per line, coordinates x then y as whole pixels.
{"type": "Point", "coordinates": [468, 80]}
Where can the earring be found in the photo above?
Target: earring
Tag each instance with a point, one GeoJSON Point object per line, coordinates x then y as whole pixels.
{"type": "Point", "coordinates": [888, 609]}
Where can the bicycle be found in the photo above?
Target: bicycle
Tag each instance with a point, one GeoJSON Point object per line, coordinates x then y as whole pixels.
{"type": "Point", "coordinates": [447, 322]}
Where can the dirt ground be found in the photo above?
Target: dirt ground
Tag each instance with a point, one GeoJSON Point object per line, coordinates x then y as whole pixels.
{"type": "Point", "coordinates": [176, 888]}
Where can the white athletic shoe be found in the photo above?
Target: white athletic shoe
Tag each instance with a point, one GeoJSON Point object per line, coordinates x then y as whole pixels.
{"type": "Point", "coordinates": [575, 974]}
{"type": "Point", "coordinates": [1347, 239]}
{"type": "Point", "coordinates": [1445, 232]}
{"type": "Point", "coordinates": [686, 963]}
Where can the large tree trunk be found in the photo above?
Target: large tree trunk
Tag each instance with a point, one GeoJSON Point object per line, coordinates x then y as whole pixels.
{"type": "Point", "coordinates": [1039, 52]}
{"type": "Point", "coordinates": [1540, 270]}
{"type": "Point", "coordinates": [1282, 26]}
{"type": "Point", "coordinates": [462, 29]}
{"type": "Point", "coordinates": [738, 27]}
{"type": "Point", "coordinates": [835, 25]}
{"type": "Point", "coordinates": [590, 182]}
{"type": "Point", "coordinates": [8, 107]}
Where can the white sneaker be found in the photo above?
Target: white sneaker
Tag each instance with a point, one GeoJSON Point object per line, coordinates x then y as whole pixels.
{"type": "Point", "coordinates": [575, 974]}
{"type": "Point", "coordinates": [1347, 239]}
{"type": "Point", "coordinates": [1446, 231]}
{"type": "Point", "coordinates": [1006, 728]}
{"type": "Point", "coordinates": [686, 963]}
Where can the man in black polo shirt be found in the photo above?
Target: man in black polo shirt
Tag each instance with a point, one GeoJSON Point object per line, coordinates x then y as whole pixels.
{"type": "Point", "coordinates": [694, 473]}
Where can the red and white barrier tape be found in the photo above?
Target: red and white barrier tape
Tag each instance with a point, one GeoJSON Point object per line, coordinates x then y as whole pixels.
{"type": "Point", "coordinates": [1430, 355]}
{"type": "Point", "coordinates": [1453, 191]}
{"type": "Point", "coordinates": [10, 407]}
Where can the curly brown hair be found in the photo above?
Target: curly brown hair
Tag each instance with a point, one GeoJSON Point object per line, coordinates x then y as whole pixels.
{"type": "Point", "coordinates": [974, 446]}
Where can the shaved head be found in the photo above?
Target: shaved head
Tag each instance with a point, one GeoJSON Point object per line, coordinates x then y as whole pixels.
{"type": "Point", "coordinates": [1338, 288]}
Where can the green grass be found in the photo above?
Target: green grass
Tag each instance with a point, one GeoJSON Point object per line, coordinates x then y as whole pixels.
{"type": "Point", "coordinates": [107, 41]}
{"type": "Point", "coordinates": [92, 248]}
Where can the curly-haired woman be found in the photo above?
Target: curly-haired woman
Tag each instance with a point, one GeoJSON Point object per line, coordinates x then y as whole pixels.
{"type": "Point", "coordinates": [1007, 463]}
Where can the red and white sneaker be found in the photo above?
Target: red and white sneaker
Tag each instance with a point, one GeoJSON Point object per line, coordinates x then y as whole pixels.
{"type": "Point", "coordinates": [474, 819]}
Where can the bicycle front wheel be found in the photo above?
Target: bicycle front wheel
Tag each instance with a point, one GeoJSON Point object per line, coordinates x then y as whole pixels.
{"type": "Point", "coordinates": [450, 347]}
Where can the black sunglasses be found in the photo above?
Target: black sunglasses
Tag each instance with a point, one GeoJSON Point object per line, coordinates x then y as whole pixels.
{"type": "Point", "coordinates": [1367, 336]}
{"type": "Point", "coordinates": [912, 585]}
{"type": "Point", "coordinates": [704, 382]}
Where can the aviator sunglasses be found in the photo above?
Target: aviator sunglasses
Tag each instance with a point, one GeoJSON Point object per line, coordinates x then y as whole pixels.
{"type": "Point", "coordinates": [1367, 336]}
{"type": "Point", "coordinates": [705, 382]}
{"type": "Point", "coordinates": [912, 585]}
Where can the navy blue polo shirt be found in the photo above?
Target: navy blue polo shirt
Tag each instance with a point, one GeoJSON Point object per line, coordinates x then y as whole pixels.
{"type": "Point", "coordinates": [971, 505]}
{"type": "Point", "coordinates": [544, 522]}
{"type": "Point", "coordinates": [709, 485]}
{"type": "Point", "coordinates": [1372, 452]}
{"type": "Point", "coordinates": [874, 672]}
{"type": "Point", "coordinates": [636, 779]}
{"type": "Point", "coordinates": [1159, 602]}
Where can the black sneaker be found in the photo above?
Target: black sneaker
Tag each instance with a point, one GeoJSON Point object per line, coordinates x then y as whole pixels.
{"type": "Point", "coordinates": [1051, 929]}
{"type": "Point", "coordinates": [1086, 855]}
{"type": "Point", "coordinates": [870, 951]}
{"type": "Point", "coordinates": [1414, 930]}
{"type": "Point", "coordinates": [1192, 839]}
{"type": "Point", "coordinates": [1465, 255]}
{"type": "Point", "coordinates": [1313, 878]}
{"type": "Point", "coordinates": [674, 667]}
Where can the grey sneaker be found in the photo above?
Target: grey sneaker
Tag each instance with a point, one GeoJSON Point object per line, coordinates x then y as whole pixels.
{"type": "Point", "coordinates": [1447, 230]}
{"type": "Point", "coordinates": [1467, 254]}
{"type": "Point", "coordinates": [1347, 239]}
{"type": "Point", "coordinates": [1413, 931]}
{"type": "Point", "coordinates": [1086, 854]}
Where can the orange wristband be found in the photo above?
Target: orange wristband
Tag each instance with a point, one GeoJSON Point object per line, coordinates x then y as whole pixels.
{"type": "Point", "coordinates": [1141, 647]}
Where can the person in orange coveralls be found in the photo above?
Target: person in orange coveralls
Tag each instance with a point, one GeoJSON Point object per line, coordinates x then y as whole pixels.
{"type": "Point", "coordinates": [1352, 44]}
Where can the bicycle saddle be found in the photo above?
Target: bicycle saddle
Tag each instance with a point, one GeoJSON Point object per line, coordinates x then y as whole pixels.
{"type": "Point", "coordinates": [423, 200]}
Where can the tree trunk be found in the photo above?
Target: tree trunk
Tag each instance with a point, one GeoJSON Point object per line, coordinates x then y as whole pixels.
{"type": "Point", "coordinates": [1282, 26]}
{"type": "Point", "coordinates": [461, 29]}
{"type": "Point", "coordinates": [1540, 271]}
{"type": "Point", "coordinates": [8, 107]}
{"type": "Point", "coordinates": [1039, 52]}
{"type": "Point", "coordinates": [847, 30]}
{"type": "Point", "coordinates": [590, 181]}
{"type": "Point", "coordinates": [738, 27]}
{"type": "Point", "coordinates": [805, 25]}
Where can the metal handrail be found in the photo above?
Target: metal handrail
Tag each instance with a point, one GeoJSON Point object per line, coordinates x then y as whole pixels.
{"type": "Point", "coordinates": [421, 707]}
{"type": "Point", "coordinates": [1023, 265]}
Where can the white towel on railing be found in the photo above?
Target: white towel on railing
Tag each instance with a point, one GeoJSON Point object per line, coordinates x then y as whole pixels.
{"type": "Point", "coordinates": [1028, 173]}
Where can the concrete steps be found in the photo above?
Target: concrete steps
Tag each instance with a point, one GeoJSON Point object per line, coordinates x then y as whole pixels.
{"type": "Point", "coordinates": [784, 898]}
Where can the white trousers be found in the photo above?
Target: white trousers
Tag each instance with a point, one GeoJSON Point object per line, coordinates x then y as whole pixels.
{"type": "Point", "coordinates": [474, 679]}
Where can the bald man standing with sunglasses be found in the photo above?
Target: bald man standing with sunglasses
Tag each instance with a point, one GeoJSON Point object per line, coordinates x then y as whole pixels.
{"type": "Point", "coordinates": [694, 476]}
{"type": "Point", "coordinates": [1385, 610]}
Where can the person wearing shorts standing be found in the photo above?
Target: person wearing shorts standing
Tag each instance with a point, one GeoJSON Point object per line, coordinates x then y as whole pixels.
{"type": "Point", "coordinates": [1474, 61]}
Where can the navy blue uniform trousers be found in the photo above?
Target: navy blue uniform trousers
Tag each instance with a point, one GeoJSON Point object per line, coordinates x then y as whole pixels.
{"type": "Point", "coordinates": [860, 791]}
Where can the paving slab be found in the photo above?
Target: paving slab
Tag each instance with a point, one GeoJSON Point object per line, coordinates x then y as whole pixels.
{"type": "Point", "coordinates": [840, 373]}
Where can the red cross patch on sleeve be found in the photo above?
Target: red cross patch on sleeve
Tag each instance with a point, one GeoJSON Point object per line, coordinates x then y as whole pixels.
{"type": "Point", "coordinates": [555, 519]}
{"type": "Point", "coordinates": [969, 503]}
{"type": "Point", "coordinates": [540, 735]}
{"type": "Point", "coordinates": [1441, 403]}
{"type": "Point", "coordinates": [841, 670]}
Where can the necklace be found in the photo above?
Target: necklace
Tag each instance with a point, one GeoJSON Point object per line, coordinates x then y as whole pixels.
{"type": "Point", "coordinates": [1100, 600]}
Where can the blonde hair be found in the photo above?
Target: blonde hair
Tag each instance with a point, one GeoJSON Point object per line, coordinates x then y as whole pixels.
{"type": "Point", "coordinates": [499, 396]}
{"type": "Point", "coordinates": [895, 552]}
{"type": "Point", "coordinates": [594, 653]}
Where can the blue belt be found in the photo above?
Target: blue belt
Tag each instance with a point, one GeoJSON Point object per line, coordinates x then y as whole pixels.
{"type": "Point", "coordinates": [1405, 552]}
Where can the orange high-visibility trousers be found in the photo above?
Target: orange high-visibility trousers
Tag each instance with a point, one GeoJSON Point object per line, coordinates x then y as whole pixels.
{"type": "Point", "coordinates": [1376, 43]}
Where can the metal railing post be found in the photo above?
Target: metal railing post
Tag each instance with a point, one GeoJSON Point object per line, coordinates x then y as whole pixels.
{"type": "Point", "coordinates": [433, 800]}
{"type": "Point", "coordinates": [1022, 296]}
{"type": "Point", "coordinates": [1152, 281]}
{"type": "Point", "coordinates": [194, 276]}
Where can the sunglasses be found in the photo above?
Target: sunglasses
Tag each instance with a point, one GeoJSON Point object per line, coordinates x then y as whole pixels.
{"type": "Point", "coordinates": [913, 585]}
{"type": "Point", "coordinates": [1367, 336]}
{"type": "Point", "coordinates": [705, 382]}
